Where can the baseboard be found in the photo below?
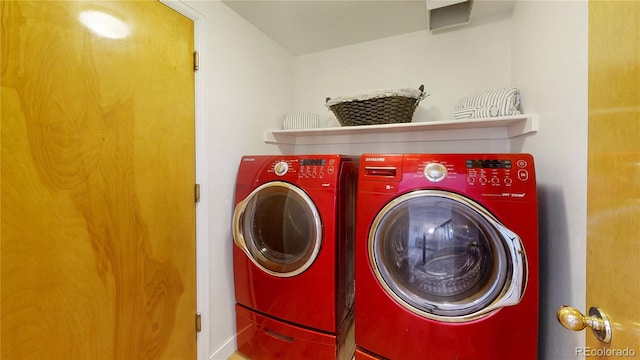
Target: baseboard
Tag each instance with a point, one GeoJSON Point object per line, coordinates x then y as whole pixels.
{"type": "Point", "coordinates": [225, 351]}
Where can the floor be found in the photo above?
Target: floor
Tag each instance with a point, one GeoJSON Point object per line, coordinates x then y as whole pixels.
{"type": "Point", "coordinates": [237, 356]}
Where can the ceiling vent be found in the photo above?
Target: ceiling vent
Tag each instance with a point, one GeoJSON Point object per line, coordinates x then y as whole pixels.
{"type": "Point", "coordinates": [444, 14]}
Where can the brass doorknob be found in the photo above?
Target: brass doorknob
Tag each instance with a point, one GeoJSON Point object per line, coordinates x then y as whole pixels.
{"type": "Point", "coordinates": [597, 320]}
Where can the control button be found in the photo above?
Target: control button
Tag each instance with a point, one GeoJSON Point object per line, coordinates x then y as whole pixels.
{"type": "Point", "coordinates": [522, 163]}
{"type": "Point", "coordinates": [523, 175]}
{"type": "Point", "coordinates": [330, 170]}
{"type": "Point", "coordinates": [471, 180]}
{"type": "Point", "coordinates": [281, 168]}
{"type": "Point", "coordinates": [483, 180]}
{"type": "Point", "coordinates": [508, 181]}
{"type": "Point", "coordinates": [435, 172]}
{"type": "Point", "coordinates": [495, 180]}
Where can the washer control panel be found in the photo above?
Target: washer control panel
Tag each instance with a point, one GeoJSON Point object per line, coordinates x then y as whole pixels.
{"type": "Point", "coordinates": [476, 171]}
{"type": "Point", "coordinates": [487, 175]}
{"type": "Point", "coordinates": [496, 171]}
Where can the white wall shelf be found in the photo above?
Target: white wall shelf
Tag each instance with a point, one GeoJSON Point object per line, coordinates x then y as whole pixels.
{"type": "Point", "coordinates": [506, 127]}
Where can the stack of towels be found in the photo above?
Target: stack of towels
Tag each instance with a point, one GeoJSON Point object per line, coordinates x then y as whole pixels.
{"type": "Point", "coordinates": [501, 102]}
{"type": "Point", "coordinates": [300, 120]}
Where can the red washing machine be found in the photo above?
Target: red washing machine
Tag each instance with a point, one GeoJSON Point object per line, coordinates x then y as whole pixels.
{"type": "Point", "coordinates": [293, 228]}
{"type": "Point", "coordinates": [446, 257]}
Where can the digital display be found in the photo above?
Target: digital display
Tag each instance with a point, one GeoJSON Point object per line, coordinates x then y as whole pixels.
{"type": "Point", "coordinates": [312, 162]}
{"type": "Point", "coordinates": [488, 164]}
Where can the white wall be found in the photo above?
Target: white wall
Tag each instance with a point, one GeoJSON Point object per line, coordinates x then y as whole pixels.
{"type": "Point", "coordinates": [245, 87]}
{"type": "Point", "coordinates": [450, 65]}
{"type": "Point", "coordinates": [549, 65]}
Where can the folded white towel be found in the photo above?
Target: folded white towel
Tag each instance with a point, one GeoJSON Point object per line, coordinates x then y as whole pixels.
{"type": "Point", "coordinates": [476, 112]}
{"type": "Point", "coordinates": [501, 102]}
{"type": "Point", "coordinates": [300, 120]}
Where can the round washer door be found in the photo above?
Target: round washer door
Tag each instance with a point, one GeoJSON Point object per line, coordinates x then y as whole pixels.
{"type": "Point", "coordinates": [445, 257]}
{"type": "Point", "coordinates": [279, 229]}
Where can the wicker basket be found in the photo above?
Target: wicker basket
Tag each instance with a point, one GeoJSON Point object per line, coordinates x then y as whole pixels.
{"type": "Point", "coordinates": [379, 107]}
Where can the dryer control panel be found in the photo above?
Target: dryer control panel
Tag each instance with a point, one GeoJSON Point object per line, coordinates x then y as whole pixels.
{"type": "Point", "coordinates": [304, 168]}
{"type": "Point", "coordinates": [310, 171]}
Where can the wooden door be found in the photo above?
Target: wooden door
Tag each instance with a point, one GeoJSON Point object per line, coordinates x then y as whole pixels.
{"type": "Point", "coordinates": [98, 171]}
{"type": "Point", "coordinates": [613, 248]}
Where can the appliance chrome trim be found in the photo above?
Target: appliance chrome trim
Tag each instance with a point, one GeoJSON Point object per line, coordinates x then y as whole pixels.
{"type": "Point", "coordinates": [240, 241]}
{"type": "Point", "coordinates": [515, 284]}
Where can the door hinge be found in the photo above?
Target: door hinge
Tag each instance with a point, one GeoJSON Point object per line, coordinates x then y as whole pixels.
{"type": "Point", "coordinates": [196, 194]}
{"type": "Point", "coordinates": [196, 61]}
{"type": "Point", "coordinates": [198, 322]}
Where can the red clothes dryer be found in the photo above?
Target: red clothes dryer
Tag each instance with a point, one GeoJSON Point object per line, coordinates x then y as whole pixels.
{"type": "Point", "coordinates": [293, 228]}
{"type": "Point", "coordinates": [446, 257]}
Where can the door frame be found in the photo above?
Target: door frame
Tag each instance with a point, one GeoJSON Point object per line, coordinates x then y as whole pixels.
{"type": "Point", "coordinates": [202, 211]}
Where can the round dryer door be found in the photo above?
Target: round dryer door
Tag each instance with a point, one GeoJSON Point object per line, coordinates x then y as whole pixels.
{"type": "Point", "coordinates": [279, 229]}
{"type": "Point", "coordinates": [444, 257]}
